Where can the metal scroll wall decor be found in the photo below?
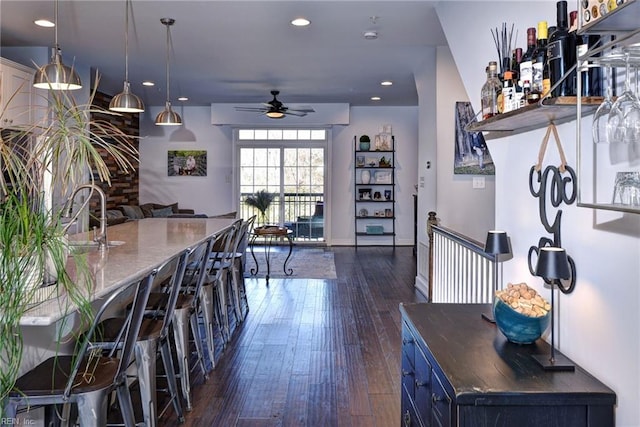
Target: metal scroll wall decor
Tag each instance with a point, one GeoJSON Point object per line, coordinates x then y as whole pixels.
{"type": "Point", "coordinates": [553, 186]}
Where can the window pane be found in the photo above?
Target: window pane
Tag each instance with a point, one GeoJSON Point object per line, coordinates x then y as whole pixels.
{"type": "Point", "coordinates": [274, 157]}
{"type": "Point", "coordinates": [318, 134]}
{"type": "Point", "coordinates": [290, 134]}
{"type": "Point", "coordinates": [275, 134]}
{"type": "Point", "coordinates": [260, 157]}
{"type": "Point", "coordinates": [304, 134]}
{"type": "Point", "coordinates": [245, 134]}
{"type": "Point", "coordinates": [260, 134]}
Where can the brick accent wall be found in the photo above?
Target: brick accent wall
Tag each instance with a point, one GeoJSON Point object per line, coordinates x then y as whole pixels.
{"type": "Point", "coordinates": [124, 186]}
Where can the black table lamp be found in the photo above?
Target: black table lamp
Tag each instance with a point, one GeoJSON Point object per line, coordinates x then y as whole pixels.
{"type": "Point", "coordinates": [553, 265]}
{"type": "Point", "coordinates": [497, 244]}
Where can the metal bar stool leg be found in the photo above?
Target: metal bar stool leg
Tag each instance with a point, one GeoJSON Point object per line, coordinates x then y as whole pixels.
{"type": "Point", "coordinates": [146, 366]}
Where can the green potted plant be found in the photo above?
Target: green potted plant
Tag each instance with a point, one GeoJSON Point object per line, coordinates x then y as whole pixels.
{"type": "Point", "coordinates": [365, 143]}
{"type": "Point", "coordinates": [67, 147]}
{"type": "Point", "coordinates": [261, 200]}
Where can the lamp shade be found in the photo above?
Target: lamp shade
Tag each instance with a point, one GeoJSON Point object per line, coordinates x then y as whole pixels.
{"type": "Point", "coordinates": [553, 263]}
{"type": "Point", "coordinates": [56, 76]}
{"type": "Point", "coordinates": [497, 243]}
{"type": "Point", "coordinates": [168, 117]}
{"type": "Point", "coordinates": [126, 102]}
{"type": "Point", "coordinates": [274, 114]}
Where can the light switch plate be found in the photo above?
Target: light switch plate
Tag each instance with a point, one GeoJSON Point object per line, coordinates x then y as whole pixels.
{"type": "Point", "coordinates": [478, 182]}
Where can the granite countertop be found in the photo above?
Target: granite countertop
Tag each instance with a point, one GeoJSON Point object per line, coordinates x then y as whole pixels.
{"type": "Point", "coordinates": [147, 244]}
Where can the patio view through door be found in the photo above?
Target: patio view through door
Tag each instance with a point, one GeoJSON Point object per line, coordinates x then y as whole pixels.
{"type": "Point", "coordinates": [291, 164]}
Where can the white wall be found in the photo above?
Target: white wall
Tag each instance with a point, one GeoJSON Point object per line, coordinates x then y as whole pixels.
{"type": "Point", "coordinates": [598, 324]}
{"type": "Point", "coordinates": [213, 194]}
{"type": "Point", "coordinates": [459, 206]}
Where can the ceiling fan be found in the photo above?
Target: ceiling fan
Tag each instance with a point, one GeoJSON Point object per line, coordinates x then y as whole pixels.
{"type": "Point", "coordinates": [275, 109]}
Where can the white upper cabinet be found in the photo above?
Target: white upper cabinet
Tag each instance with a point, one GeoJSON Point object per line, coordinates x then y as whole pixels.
{"type": "Point", "coordinates": [16, 94]}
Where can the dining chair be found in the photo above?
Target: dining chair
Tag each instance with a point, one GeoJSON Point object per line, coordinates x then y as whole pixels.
{"type": "Point", "coordinates": [153, 337]}
{"type": "Point", "coordinates": [87, 377]}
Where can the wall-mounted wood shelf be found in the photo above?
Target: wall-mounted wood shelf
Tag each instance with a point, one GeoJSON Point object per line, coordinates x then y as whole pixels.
{"type": "Point", "coordinates": [534, 116]}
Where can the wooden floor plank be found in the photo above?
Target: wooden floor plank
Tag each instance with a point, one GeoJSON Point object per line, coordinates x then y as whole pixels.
{"type": "Point", "coordinates": [314, 352]}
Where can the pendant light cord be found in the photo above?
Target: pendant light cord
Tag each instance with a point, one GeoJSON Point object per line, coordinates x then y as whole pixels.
{"type": "Point", "coordinates": [168, 24]}
{"type": "Point", "coordinates": [55, 17]}
{"type": "Point", "coordinates": [126, 42]}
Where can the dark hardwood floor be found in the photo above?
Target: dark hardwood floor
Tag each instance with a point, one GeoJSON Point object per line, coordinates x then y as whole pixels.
{"type": "Point", "coordinates": [314, 352]}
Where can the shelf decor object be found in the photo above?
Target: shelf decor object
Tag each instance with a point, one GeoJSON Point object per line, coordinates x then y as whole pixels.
{"type": "Point", "coordinates": [497, 244]}
{"type": "Point", "coordinates": [365, 143]}
{"type": "Point", "coordinates": [365, 176]}
{"type": "Point", "coordinates": [553, 265]}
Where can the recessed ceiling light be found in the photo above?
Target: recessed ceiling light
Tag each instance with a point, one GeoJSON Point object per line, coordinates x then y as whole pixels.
{"type": "Point", "coordinates": [183, 98]}
{"type": "Point", "coordinates": [44, 23]}
{"type": "Point", "coordinates": [300, 22]}
{"type": "Point", "coordinates": [375, 98]}
{"type": "Point", "coordinates": [386, 83]}
{"type": "Point", "coordinates": [148, 83]}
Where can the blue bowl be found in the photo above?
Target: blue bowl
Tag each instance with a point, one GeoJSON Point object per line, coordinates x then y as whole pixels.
{"type": "Point", "coordinates": [518, 328]}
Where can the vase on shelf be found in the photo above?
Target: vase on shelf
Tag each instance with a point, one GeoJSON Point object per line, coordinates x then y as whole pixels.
{"type": "Point", "coordinates": [365, 143]}
{"type": "Point", "coordinates": [365, 176]}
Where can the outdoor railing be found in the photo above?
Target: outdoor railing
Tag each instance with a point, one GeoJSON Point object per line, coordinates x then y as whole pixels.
{"type": "Point", "coordinates": [295, 205]}
{"type": "Point", "coordinates": [462, 272]}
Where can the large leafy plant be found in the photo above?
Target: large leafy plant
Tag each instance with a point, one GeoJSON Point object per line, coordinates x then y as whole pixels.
{"type": "Point", "coordinates": [66, 147]}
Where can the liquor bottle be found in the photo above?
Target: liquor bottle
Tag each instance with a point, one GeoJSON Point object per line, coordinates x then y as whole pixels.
{"type": "Point", "coordinates": [591, 77]}
{"type": "Point", "coordinates": [490, 91]}
{"type": "Point", "coordinates": [539, 58]}
{"type": "Point", "coordinates": [561, 55]}
{"type": "Point", "coordinates": [525, 64]}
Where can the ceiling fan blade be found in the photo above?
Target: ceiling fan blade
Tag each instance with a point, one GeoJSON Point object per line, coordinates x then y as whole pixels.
{"type": "Point", "coordinates": [252, 109]}
{"type": "Point", "coordinates": [302, 110]}
{"type": "Point", "coordinates": [295, 113]}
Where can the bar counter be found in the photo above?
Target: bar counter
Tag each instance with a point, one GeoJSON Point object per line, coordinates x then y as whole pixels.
{"type": "Point", "coordinates": [147, 244]}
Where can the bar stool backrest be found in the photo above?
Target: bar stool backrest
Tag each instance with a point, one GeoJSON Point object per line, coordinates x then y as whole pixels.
{"type": "Point", "coordinates": [193, 281]}
{"type": "Point", "coordinates": [174, 290]}
{"type": "Point", "coordinates": [128, 334]}
{"type": "Point", "coordinates": [223, 249]}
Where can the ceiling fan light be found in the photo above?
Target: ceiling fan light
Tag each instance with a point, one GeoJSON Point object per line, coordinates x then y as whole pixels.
{"type": "Point", "coordinates": [126, 102]}
{"type": "Point", "coordinates": [168, 117]}
{"type": "Point", "coordinates": [57, 76]}
{"type": "Point", "coordinates": [274, 114]}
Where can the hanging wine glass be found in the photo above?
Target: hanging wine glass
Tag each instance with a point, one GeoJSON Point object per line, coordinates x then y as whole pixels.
{"type": "Point", "coordinates": [615, 122]}
{"type": "Point", "coordinates": [601, 116]}
{"type": "Point", "coordinates": [631, 122]}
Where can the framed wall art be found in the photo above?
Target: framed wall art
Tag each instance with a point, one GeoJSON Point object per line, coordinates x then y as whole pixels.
{"type": "Point", "coordinates": [187, 163]}
{"type": "Point", "coordinates": [472, 156]}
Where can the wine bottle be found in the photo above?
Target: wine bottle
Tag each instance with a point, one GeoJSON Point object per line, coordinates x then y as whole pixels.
{"type": "Point", "coordinates": [525, 64]}
{"type": "Point", "coordinates": [490, 91]}
{"type": "Point", "coordinates": [591, 77]}
{"type": "Point", "coordinates": [538, 60]}
{"type": "Point", "coordinates": [561, 55]}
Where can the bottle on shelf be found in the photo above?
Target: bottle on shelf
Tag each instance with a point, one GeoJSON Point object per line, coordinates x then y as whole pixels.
{"type": "Point", "coordinates": [591, 77]}
{"type": "Point", "coordinates": [561, 55]}
{"type": "Point", "coordinates": [490, 91]}
{"type": "Point", "coordinates": [538, 61]}
{"type": "Point", "coordinates": [508, 98]}
{"type": "Point", "coordinates": [525, 64]}
{"type": "Point", "coordinates": [516, 58]}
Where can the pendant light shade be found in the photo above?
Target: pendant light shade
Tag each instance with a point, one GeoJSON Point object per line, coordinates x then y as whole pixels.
{"type": "Point", "coordinates": [168, 117]}
{"type": "Point", "coordinates": [126, 102]}
{"type": "Point", "coordinates": [55, 75]}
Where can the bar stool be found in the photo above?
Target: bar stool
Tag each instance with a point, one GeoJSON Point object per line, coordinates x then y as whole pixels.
{"type": "Point", "coordinates": [237, 269]}
{"type": "Point", "coordinates": [87, 378]}
{"type": "Point", "coordinates": [213, 293]}
{"type": "Point", "coordinates": [185, 316]}
{"type": "Point", "coordinates": [153, 336]}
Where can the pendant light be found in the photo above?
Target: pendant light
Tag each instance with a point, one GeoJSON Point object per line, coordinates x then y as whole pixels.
{"type": "Point", "coordinates": [126, 102]}
{"type": "Point", "coordinates": [55, 75]}
{"type": "Point", "coordinates": [168, 117]}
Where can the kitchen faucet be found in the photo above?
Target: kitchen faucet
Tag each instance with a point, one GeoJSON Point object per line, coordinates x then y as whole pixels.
{"type": "Point", "coordinates": [101, 236]}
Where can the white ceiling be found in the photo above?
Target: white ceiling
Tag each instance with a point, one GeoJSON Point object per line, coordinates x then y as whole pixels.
{"type": "Point", "coordinates": [237, 51]}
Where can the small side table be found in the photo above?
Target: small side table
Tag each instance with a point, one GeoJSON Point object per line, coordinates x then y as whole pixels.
{"type": "Point", "coordinates": [270, 234]}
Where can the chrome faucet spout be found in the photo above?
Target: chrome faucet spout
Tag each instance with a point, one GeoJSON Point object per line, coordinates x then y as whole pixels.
{"type": "Point", "coordinates": [101, 236]}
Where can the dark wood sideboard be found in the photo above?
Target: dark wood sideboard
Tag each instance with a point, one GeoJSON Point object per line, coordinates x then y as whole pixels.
{"type": "Point", "coordinates": [459, 370]}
